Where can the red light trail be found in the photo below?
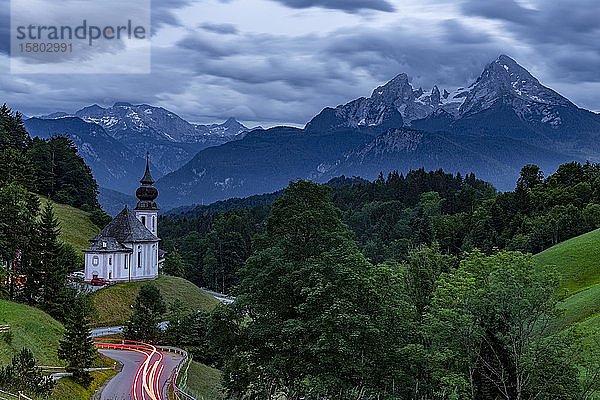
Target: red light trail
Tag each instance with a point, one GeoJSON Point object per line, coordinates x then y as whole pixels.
{"type": "Point", "coordinates": [146, 384]}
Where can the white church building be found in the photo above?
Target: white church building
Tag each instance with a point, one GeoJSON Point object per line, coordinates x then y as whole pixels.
{"type": "Point", "coordinates": [127, 248]}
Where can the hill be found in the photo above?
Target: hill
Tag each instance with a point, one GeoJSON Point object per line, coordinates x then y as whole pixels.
{"type": "Point", "coordinates": [577, 260]}
{"type": "Point", "coordinates": [30, 328]}
{"type": "Point", "coordinates": [114, 303]}
{"type": "Point", "coordinates": [76, 228]}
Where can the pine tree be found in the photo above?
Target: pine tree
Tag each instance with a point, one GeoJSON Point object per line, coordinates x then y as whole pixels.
{"type": "Point", "coordinates": [23, 375]}
{"type": "Point", "coordinates": [17, 226]}
{"type": "Point", "coordinates": [76, 347]}
{"type": "Point", "coordinates": [174, 265]}
{"type": "Point", "coordinates": [147, 311]}
{"type": "Point", "coordinates": [50, 254]}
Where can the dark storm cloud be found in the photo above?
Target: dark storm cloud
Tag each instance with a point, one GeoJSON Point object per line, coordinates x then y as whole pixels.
{"type": "Point", "coordinates": [351, 6]}
{"type": "Point", "coordinates": [220, 70]}
{"type": "Point", "coordinates": [563, 33]}
{"type": "Point", "coordinates": [456, 32]}
{"type": "Point", "coordinates": [208, 47]}
{"type": "Point", "coordinates": [223, 29]}
{"type": "Point", "coordinates": [508, 10]}
{"type": "Point", "coordinates": [314, 71]}
{"type": "Point", "coordinates": [437, 60]}
{"type": "Point", "coordinates": [4, 28]}
{"type": "Point", "coordinates": [163, 12]}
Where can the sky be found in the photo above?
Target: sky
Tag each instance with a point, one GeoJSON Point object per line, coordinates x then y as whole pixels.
{"type": "Point", "coordinates": [270, 62]}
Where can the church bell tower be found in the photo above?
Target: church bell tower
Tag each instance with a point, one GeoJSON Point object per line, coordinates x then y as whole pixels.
{"type": "Point", "coordinates": [146, 209]}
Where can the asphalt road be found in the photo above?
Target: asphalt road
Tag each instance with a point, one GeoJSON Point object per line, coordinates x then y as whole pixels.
{"type": "Point", "coordinates": [144, 376]}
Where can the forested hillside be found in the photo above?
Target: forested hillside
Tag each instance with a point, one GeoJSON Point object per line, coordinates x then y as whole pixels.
{"type": "Point", "coordinates": [35, 261]}
{"type": "Point", "coordinates": [36, 254]}
{"type": "Point", "coordinates": [314, 318]}
{"type": "Point", "coordinates": [394, 214]}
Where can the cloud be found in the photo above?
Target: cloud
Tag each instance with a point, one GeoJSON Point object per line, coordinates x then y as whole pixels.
{"type": "Point", "coordinates": [164, 13]}
{"type": "Point", "coordinates": [562, 35]}
{"type": "Point", "coordinates": [351, 6]}
{"type": "Point", "coordinates": [208, 66]}
{"type": "Point", "coordinates": [224, 29]}
{"type": "Point", "coordinates": [4, 29]}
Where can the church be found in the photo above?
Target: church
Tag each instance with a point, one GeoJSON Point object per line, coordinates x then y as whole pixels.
{"type": "Point", "coordinates": [127, 248]}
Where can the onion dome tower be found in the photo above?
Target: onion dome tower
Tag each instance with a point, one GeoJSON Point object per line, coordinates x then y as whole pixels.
{"type": "Point", "coordinates": [146, 209]}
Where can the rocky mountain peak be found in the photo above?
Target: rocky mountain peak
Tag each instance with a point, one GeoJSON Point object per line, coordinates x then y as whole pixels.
{"type": "Point", "coordinates": [505, 80]}
{"type": "Point", "coordinates": [398, 89]}
{"type": "Point", "coordinates": [436, 97]}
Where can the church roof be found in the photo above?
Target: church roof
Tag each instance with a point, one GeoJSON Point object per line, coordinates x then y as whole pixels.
{"type": "Point", "coordinates": [107, 245]}
{"type": "Point", "coordinates": [126, 228]}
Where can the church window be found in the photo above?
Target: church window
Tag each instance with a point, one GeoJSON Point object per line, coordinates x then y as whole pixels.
{"type": "Point", "coordinates": [95, 261]}
{"type": "Point", "coordinates": [139, 259]}
{"type": "Point", "coordinates": [153, 222]}
{"type": "Point", "coordinates": [109, 260]}
{"type": "Point", "coordinates": [144, 220]}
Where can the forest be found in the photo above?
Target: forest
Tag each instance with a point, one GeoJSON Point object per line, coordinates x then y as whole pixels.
{"type": "Point", "coordinates": [393, 215]}
{"type": "Point", "coordinates": [35, 260]}
{"type": "Point", "coordinates": [316, 318]}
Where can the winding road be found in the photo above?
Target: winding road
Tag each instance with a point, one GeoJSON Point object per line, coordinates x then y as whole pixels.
{"type": "Point", "coordinates": [145, 374]}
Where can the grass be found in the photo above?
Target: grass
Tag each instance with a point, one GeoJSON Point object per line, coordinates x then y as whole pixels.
{"type": "Point", "coordinates": [30, 328]}
{"type": "Point", "coordinates": [581, 306]}
{"type": "Point", "coordinates": [114, 303]}
{"type": "Point", "coordinates": [67, 389]}
{"type": "Point", "coordinates": [204, 382]}
{"type": "Point", "coordinates": [577, 259]}
{"type": "Point", "coordinates": [578, 262]}
{"type": "Point", "coordinates": [76, 228]}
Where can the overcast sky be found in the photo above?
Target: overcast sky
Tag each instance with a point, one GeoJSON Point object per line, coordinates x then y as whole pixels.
{"type": "Point", "coordinates": [281, 61]}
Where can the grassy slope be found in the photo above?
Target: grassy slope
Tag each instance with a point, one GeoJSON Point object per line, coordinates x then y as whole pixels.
{"type": "Point", "coordinates": [67, 389]}
{"type": "Point", "coordinates": [578, 260]}
{"type": "Point", "coordinates": [204, 382]}
{"type": "Point", "coordinates": [31, 328]}
{"type": "Point", "coordinates": [75, 225]}
{"type": "Point", "coordinates": [113, 304]}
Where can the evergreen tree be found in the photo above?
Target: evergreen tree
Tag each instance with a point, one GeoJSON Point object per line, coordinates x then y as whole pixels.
{"type": "Point", "coordinates": [16, 167]}
{"type": "Point", "coordinates": [76, 347]}
{"type": "Point", "coordinates": [50, 256]}
{"type": "Point", "coordinates": [322, 321]}
{"type": "Point", "coordinates": [23, 375]}
{"type": "Point", "coordinates": [174, 265]}
{"type": "Point", "coordinates": [17, 230]}
{"type": "Point", "coordinates": [148, 309]}
{"type": "Point", "coordinates": [12, 131]}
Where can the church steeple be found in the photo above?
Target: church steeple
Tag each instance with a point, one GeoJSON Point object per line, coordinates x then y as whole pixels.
{"type": "Point", "coordinates": [146, 209]}
{"type": "Point", "coordinates": [146, 193]}
{"type": "Point", "coordinates": [147, 179]}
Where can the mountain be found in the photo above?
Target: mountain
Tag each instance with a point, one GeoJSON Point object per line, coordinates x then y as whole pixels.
{"type": "Point", "coordinates": [124, 120]}
{"type": "Point", "coordinates": [492, 158]}
{"type": "Point", "coordinates": [504, 91]}
{"type": "Point", "coordinates": [493, 127]}
{"type": "Point", "coordinates": [263, 161]}
{"type": "Point", "coordinates": [113, 201]}
{"type": "Point", "coordinates": [114, 165]}
{"type": "Point", "coordinates": [170, 140]}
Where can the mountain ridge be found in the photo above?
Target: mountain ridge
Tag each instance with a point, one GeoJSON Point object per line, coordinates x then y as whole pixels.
{"type": "Point", "coordinates": [502, 121]}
